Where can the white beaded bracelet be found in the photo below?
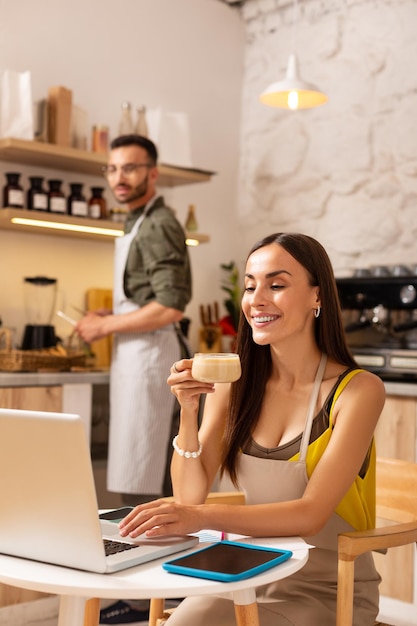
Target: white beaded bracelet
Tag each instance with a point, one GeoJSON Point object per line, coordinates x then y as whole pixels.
{"type": "Point", "coordinates": [186, 453]}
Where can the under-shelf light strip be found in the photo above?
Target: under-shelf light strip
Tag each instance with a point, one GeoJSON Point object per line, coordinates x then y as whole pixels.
{"type": "Point", "coordinates": [192, 242]}
{"type": "Point", "coordinates": [79, 228]}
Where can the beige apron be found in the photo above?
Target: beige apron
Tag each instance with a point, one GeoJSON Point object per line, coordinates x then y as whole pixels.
{"type": "Point", "coordinates": [308, 597]}
{"type": "Point", "coordinates": [141, 404]}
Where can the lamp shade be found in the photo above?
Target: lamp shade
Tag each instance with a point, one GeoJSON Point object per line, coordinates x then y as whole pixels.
{"type": "Point", "coordinates": [292, 92]}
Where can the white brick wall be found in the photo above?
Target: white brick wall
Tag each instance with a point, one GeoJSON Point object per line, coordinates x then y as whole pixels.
{"type": "Point", "coordinates": [345, 172]}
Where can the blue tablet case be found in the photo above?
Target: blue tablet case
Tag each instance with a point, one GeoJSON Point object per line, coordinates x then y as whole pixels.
{"type": "Point", "coordinates": [227, 561]}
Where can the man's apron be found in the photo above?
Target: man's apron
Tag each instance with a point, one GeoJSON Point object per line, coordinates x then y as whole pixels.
{"type": "Point", "coordinates": [141, 403]}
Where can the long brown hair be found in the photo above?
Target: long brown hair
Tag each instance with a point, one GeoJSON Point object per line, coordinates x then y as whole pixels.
{"type": "Point", "coordinates": [247, 393]}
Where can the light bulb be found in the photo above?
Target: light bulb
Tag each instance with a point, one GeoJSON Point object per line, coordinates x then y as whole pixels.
{"type": "Point", "coordinates": [293, 100]}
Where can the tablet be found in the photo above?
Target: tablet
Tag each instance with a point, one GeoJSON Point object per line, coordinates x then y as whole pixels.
{"type": "Point", "coordinates": [116, 515]}
{"type": "Point", "coordinates": [227, 561]}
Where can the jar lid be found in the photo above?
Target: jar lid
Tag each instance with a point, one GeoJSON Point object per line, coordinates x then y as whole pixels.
{"type": "Point", "coordinates": [40, 280]}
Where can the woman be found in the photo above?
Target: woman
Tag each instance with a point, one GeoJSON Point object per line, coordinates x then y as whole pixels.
{"type": "Point", "coordinates": [295, 433]}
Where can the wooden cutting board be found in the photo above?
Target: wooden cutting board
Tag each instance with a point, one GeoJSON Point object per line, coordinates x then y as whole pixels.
{"type": "Point", "coordinates": [100, 299]}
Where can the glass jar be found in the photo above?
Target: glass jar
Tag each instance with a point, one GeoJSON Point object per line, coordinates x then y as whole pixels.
{"type": "Point", "coordinates": [97, 207]}
{"type": "Point", "coordinates": [37, 198]}
{"type": "Point", "coordinates": [77, 204]}
{"type": "Point", "coordinates": [13, 195]}
{"type": "Point", "coordinates": [141, 124]}
{"type": "Point", "coordinates": [56, 198]}
{"type": "Point", "coordinates": [100, 139]}
{"type": "Point", "coordinates": [126, 122]}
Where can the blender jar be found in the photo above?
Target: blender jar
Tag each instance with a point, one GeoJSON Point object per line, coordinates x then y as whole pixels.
{"type": "Point", "coordinates": [40, 298]}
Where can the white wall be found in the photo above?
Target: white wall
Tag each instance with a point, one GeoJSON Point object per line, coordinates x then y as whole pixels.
{"type": "Point", "coordinates": [345, 172]}
{"type": "Point", "coordinates": [182, 55]}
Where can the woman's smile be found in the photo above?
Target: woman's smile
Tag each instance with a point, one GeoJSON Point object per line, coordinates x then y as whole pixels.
{"type": "Point", "coordinates": [263, 318]}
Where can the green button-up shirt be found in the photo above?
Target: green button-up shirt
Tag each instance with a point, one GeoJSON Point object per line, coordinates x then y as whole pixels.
{"type": "Point", "coordinates": [158, 265]}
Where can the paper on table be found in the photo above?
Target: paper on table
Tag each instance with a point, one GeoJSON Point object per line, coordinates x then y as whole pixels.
{"type": "Point", "coordinates": [288, 543]}
{"type": "Point", "coordinates": [208, 536]}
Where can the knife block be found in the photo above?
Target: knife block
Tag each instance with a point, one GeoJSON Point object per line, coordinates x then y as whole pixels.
{"type": "Point", "coordinates": [210, 339]}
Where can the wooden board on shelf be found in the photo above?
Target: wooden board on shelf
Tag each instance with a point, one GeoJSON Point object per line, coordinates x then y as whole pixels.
{"type": "Point", "coordinates": [85, 162]}
{"type": "Point", "coordinates": [101, 299]}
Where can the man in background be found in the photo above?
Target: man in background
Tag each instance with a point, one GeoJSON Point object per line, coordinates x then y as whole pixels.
{"type": "Point", "coordinates": [152, 286]}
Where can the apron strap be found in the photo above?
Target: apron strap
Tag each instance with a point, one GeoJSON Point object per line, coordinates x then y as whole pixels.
{"type": "Point", "coordinates": [311, 408]}
{"type": "Point", "coordinates": [122, 247]}
{"type": "Point", "coordinates": [140, 219]}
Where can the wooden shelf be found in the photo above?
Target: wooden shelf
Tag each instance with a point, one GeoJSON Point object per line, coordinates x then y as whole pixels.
{"type": "Point", "coordinates": [58, 225]}
{"type": "Point", "coordinates": [48, 155]}
{"type": "Point", "coordinates": [81, 161]}
{"type": "Point", "coordinates": [199, 237]}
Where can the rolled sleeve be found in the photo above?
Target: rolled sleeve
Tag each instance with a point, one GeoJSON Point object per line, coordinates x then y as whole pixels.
{"type": "Point", "coordinates": [158, 266]}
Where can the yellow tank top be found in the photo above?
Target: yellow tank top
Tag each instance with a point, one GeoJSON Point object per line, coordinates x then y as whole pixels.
{"type": "Point", "coordinates": [357, 507]}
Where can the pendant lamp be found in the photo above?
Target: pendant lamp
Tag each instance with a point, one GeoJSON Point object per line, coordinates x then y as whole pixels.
{"type": "Point", "coordinates": [293, 92]}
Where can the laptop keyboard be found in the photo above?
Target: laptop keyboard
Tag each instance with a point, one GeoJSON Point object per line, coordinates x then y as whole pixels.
{"type": "Point", "coordinates": [113, 547]}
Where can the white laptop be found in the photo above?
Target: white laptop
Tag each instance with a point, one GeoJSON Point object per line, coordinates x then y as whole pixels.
{"type": "Point", "coordinates": [48, 503]}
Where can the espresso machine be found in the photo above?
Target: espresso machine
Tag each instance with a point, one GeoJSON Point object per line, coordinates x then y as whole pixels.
{"type": "Point", "coordinates": [379, 307]}
{"type": "Point", "coordinates": [40, 299]}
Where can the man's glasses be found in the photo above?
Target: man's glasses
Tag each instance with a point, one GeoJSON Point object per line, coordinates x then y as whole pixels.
{"type": "Point", "coordinates": [127, 169]}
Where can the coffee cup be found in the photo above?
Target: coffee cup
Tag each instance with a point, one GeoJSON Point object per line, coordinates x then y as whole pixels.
{"type": "Point", "coordinates": [221, 367]}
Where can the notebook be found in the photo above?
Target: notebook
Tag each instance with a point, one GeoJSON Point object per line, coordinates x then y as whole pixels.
{"type": "Point", "coordinates": [48, 502]}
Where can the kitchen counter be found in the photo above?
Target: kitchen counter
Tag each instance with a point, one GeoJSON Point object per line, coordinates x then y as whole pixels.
{"type": "Point", "coordinates": [66, 392]}
{"type": "Point", "coordinates": [47, 379]}
{"type": "Point", "coordinates": [44, 379]}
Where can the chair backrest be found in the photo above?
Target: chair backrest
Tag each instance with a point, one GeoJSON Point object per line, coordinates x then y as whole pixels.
{"type": "Point", "coordinates": [396, 490]}
{"type": "Point", "coordinates": [219, 497]}
{"type": "Point", "coordinates": [225, 497]}
{"type": "Point", "coordinates": [396, 501]}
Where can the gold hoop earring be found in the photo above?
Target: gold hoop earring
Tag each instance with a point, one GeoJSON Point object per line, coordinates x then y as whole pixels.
{"type": "Point", "coordinates": [317, 311]}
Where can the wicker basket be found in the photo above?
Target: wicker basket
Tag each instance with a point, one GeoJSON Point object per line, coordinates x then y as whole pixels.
{"type": "Point", "coordinates": [33, 360]}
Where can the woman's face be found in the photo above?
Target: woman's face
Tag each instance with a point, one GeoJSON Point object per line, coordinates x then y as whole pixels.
{"type": "Point", "coordinates": [278, 300]}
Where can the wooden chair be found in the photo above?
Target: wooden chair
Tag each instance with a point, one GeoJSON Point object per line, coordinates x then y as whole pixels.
{"type": "Point", "coordinates": [396, 501]}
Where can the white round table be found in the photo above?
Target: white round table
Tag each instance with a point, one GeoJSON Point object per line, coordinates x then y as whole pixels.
{"type": "Point", "coordinates": [141, 582]}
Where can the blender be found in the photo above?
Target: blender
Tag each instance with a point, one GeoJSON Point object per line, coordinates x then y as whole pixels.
{"type": "Point", "coordinates": [40, 297]}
